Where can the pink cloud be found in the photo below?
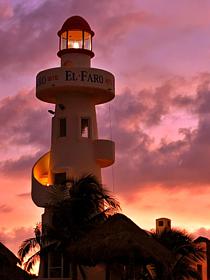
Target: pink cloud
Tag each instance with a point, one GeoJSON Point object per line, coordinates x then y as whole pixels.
{"type": "Point", "coordinates": [180, 205]}
{"type": "Point", "coordinates": [202, 232]}
{"type": "Point", "coordinates": [24, 195]}
{"type": "Point", "coordinates": [5, 208]}
{"type": "Point", "coordinates": [6, 10]}
{"type": "Point", "coordinates": [13, 238]}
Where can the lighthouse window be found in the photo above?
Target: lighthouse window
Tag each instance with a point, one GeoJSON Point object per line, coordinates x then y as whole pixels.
{"type": "Point", "coordinates": [85, 127]}
{"type": "Point", "coordinates": [62, 127]}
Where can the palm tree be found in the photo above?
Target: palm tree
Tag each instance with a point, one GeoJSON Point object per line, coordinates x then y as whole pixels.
{"type": "Point", "coordinates": [76, 206]}
{"type": "Point", "coordinates": [84, 203]}
{"type": "Point", "coordinates": [29, 252]}
{"type": "Point", "coordinates": [187, 253]}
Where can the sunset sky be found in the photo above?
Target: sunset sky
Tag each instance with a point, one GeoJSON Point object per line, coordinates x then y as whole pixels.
{"type": "Point", "coordinates": [159, 52]}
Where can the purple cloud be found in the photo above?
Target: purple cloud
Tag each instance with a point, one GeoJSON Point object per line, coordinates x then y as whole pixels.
{"type": "Point", "coordinates": [20, 167]}
{"type": "Point", "coordinates": [180, 163]}
{"type": "Point", "coordinates": [26, 121]}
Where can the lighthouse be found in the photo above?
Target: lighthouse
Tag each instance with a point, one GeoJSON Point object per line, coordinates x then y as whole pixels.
{"type": "Point", "coordinates": [75, 88]}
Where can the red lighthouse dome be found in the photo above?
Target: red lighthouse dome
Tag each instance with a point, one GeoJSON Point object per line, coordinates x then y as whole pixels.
{"type": "Point", "coordinates": [75, 37]}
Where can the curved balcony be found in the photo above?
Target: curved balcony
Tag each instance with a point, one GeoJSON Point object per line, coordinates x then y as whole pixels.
{"type": "Point", "coordinates": [104, 152]}
{"type": "Point", "coordinates": [40, 181]}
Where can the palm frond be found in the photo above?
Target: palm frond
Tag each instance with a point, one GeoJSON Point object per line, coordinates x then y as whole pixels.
{"type": "Point", "coordinates": [31, 261]}
{"type": "Point", "coordinates": [58, 193]}
{"type": "Point", "coordinates": [26, 247]}
{"type": "Point", "coordinates": [187, 252]}
{"type": "Point", "coordinates": [76, 206]}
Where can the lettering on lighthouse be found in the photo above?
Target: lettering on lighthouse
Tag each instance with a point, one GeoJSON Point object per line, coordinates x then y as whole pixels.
{"type": "Point", "coordinates": [84, 76]}
{"type": "Point", "coordinates": [77, 76]}
{"type": "Point", "coordinates": [94, 81]}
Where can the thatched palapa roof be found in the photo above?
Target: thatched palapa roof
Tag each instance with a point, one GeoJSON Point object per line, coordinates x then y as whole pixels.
{"type": "Point", "coordinates": [6, 256]}
{"type": "Point", "coordinates": [119, 240]}
{"type": "Point", "coordinates": [8, 266]}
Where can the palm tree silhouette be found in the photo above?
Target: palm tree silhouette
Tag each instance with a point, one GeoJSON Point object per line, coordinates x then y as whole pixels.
{"type": "Point", "coordinates": [85, 203]}
{"type": "Point", "coordinates": [76, 206]}
{"type": "Point", "coordinates": [29, 251]}
{"type": "Point", "coordinates": [187, 253]}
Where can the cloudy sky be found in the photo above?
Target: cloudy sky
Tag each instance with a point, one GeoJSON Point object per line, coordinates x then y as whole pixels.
{"type": "Point", "coordinates": [159, 52]}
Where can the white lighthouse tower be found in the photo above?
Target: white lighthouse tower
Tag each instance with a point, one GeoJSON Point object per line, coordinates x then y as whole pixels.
{"type": "Point", "coordinates": [75, 88]}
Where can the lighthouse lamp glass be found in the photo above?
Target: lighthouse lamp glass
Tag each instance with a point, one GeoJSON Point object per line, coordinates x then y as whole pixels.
{"type": "Point", "coordinates": [76, 45]}
{"type": "Point", "coordinates": [87, 41]}
{"type": "Point", "coordinates": [76, 39]}
{"type": "Point", "coordinates": [63, 40]}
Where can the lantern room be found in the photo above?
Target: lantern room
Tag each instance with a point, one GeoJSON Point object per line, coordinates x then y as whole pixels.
{"type": "Point", "coordinates": [75, 36]}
